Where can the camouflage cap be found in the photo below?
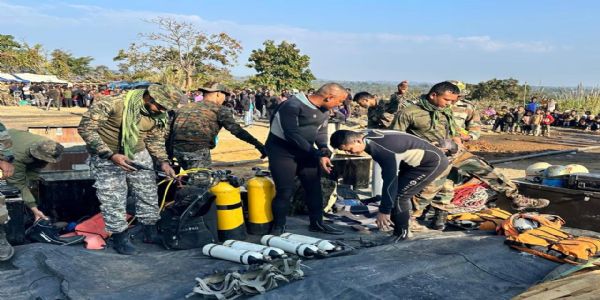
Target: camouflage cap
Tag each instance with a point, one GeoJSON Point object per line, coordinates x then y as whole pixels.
{"type": "Point", "coordinates": [216, 88]}
{"type": "Point", "coordinates": [166, 95]}
{"type": "Point", "coordinates": [461, 86]}
{"type": "Point", "coordinates": [47, 150]}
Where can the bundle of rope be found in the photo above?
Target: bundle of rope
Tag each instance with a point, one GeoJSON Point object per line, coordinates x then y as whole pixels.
{"type": "Point", "coordinates": [471, 197]}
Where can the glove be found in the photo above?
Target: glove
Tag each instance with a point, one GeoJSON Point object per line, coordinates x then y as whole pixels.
{"type": "Point", "coordinates": [262, 150]}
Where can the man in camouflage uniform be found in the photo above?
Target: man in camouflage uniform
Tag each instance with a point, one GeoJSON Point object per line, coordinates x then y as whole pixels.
{"type": "Point", "coordinates": [467, 164]}
{"type": "Point", "coordinates": [399, 100]}
{"type": "Point", "coordinates": [6, 159]}
{"type": "Point", "coordinates": [431, 119]}
{"type": "Point", "coordinates": [118, 130]}
{"type": "Point", "coordinates": [196, 126]}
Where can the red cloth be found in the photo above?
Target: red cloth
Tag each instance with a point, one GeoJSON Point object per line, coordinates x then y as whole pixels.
{"type": "Point", "coordinates": [548, 119]}
{"type": "Point", "coordinates": [94, 231]}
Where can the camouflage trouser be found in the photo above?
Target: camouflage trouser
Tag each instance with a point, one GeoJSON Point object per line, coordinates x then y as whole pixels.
{"type": "Point", "coordinates": [197, 159]}
{"type": "Point", "coordinates": [112, 186]}
{"type": "Point", "coordinates": [477, 167]}
{"type": "Point", "coordinates": [3, 210]}
{"type": "Point", "coordinates": [428, 194]}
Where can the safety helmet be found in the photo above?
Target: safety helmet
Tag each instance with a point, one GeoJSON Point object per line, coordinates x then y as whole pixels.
{"type": "Point", "coordinates": [575, 168]}
{"type": "Point", "coordinates": [556, 171]}
{"type": "Point", "coordinates": [535, 172]}
{"type": "Point", "coordinates": [462, 87]}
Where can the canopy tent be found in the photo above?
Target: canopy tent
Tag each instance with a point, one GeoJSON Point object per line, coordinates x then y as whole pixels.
{"type": "Point", "coordinates": [39, 78]}
{"type": "Point", "coordinates": [127, 85]}
{"type": "Point", "coordinates": [5, 77]}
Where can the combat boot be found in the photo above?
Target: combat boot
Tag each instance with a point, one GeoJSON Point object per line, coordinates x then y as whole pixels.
{"type": "Point", "coordinates": [427, 214]}
{"type": "Point", "coordinates": [277, 230]}
{"type": "Point", "coordinates": [439, 219]}
{"type": "Point", "coordinates": [151, 235]}
{"type": "Point", "coordinates": [6, 250]}
{"type": "Point", "coordinates": [122, 243]}
{"type": "Point", "coordinates": [521, 202]}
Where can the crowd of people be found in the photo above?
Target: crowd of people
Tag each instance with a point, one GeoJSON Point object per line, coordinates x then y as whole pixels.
{"type": "Point", "coordinates": [155, 125]}
{"type": "Point", "coordinates": [46, 95]}
{"type": "Point", "coordinates": [537, 118]}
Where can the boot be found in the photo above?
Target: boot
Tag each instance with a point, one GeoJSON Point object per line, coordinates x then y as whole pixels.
{"type": "Point", "coordinates": [521, 202]}
{"type": "Point", "coordinates": [319, 226]}
{"type": "Point", "coordinates": [439, 219]}
{"type": "Point", "coordinates": [427, 214]}
{"type": "Point", "coordinates": [122, 244]}
{"type": "Point", "coordinates": [277, 230]}
{"type": "Point", "coordinates": [151, 235]}
{"type": "Point", "coordinates": [414, 226]}
{"type": "Point", "coordinates": [6, 250]}
{"type": "Point", "coordinates": [399, 235]}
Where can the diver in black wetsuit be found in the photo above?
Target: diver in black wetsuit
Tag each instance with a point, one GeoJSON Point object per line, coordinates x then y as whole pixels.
{"type": "Point", "coordinates": [408, 165]}
{"type": "Point", "coordinates": [298, 124]}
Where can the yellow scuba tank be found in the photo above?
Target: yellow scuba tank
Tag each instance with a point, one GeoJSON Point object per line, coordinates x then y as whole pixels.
{"type": "Point", "coordinates": [230, 216]}
{"type": "Point", "coordinates": [261, 192]}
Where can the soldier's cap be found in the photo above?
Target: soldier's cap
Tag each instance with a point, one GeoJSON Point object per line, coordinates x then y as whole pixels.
{"type": "Point", "coordinates": [216, 88]}
{"type": "Point", "coordinates": [47, 150]}
{"type": "Point", "coordinates": [166, 95]}
{"type": "Point", "coordinates": [462, 87]}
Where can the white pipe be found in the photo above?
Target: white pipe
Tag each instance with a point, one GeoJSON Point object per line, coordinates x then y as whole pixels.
{"type": "Point", "coordinates": [302, 249]}
{"type": "Point", "coordinates": [267, 252]}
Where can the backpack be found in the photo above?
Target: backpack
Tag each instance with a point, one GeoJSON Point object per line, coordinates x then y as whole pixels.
{"type": "Point", "coordinates": [190, 221]}
{"type": "Point", "coordinates": [541, 235]}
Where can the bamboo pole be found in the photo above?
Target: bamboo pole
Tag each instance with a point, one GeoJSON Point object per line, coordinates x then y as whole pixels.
{"type": "Point", "coordinates": [547, 153]}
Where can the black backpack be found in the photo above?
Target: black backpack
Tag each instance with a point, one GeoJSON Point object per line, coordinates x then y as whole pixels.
{"type": "Point", "coordinates": [190, 221]}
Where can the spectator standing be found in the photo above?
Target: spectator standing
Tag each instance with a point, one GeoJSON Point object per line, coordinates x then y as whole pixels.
{"type": "Point", "coordinates": [536, 122]}
{"type": "Point", "coordinates": [68, 96]}
{"type": "Point", "coordinates": [532, 106]}
{"type": "Point", "coordinates": [519, 122]}
{"type": "Point", "coordinates": [54, 97]}
{"type": "Point", "coordinates": [260, 100]}
{"type": "Point", "coordinates": [547, 120]}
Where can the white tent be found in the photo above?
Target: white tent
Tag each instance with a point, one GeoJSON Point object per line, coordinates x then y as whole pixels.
{"type": "Point", "coordinates": [9, 77]}
{"type": "Point", "coordinates": [40, 78]}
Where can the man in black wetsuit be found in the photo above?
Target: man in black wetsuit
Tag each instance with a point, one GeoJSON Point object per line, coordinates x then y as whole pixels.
{"type": "Point", "coordinates": [298, 124]}
{"type": "Point", "coordinates": [408, 164]}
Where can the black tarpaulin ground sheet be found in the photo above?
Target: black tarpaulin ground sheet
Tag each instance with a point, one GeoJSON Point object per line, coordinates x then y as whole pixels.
{"type": "Point", "coordinates": [449, 265]}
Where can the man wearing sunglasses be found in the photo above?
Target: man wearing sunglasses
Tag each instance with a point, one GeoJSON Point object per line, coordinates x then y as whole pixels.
{"type": "Point", "coordinates": [119, 130]}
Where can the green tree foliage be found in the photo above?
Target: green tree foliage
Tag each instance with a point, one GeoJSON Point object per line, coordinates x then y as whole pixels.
{"type": "Point", "coordinates": [496, 89]}
{"type": "Point", "coordinates": [65, 65]}
{"type": "Point", "coordinates": [180, 53]}
{"type": "Point", "coordinates": [16, 57]}
{"type": "Point", "coordinates": [280, 67]}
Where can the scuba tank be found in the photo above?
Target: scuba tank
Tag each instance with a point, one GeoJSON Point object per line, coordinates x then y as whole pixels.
{"type": "Point", "coordinates": [324, 245]}
{"type": "Point", "coordinates": [261, 192]}
{"type": "Point", "coordinates": [302, 249]}
{"type": "Point", "coordinates": [235, 255]}
{"type": "Point", "coordinates": [267, 252]}
{"type": "Point", "coordinates": [230, 216]}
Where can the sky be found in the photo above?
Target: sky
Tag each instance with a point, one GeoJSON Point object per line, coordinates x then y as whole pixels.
{"type": "Point", "coordinates": [541, 42]}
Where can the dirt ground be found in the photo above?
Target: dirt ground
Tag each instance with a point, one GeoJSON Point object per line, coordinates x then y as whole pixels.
{"type": "Point", "coordinates": [491, 146]}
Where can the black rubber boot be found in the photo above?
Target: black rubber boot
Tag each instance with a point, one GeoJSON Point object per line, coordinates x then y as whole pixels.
{"type": "Point", "coordinates": [277, 230]}
{"type": "Point", "coordinates": [122, 244]}
{"type": "Point", "coordinates": [6, 250]}
{"type": "Point", "coordinates": [151, 235]}
{"type": "Point", "coordinates": [439, 219]}
{"type": "Point", "coordinates": [399, 235]}
{"type": "Point", "coordinates": [319, 226]}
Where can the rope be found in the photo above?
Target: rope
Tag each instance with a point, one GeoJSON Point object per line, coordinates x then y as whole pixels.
{"type": "Point", "coordinates": [471, 198]}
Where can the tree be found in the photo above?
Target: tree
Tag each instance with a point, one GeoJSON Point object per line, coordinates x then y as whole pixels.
{"type": "Point", "coordinates": [280, 66]}
{"type": "Point", "coordinates": [496, 89]}
{"type": "Point", "coordinates": [16, 57]}
{"type": "Point", "coordinates": [64, 64]}
{"type": "Point", "coordinates": [179, 51]}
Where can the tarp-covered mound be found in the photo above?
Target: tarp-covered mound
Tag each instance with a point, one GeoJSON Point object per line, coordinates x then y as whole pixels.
{"type": "Point", "coordinates": [451, 265]}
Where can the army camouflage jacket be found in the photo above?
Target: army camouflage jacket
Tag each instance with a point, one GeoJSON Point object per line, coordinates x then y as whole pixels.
{"type": "Point", "coordinates": [100, 128]}
{"type": "Point", "coordinates": [5, 145]}
{"type": "Point", "coordinates": [417, 121]}
{"type": "Point", "coordinates": [196, 125]}
{"type": "Point", "coordinates": [399, 102]}
{"type": "Point", "coordinates": [380, 116]}
{"type": "Point", "coordinates": [467, 118]}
